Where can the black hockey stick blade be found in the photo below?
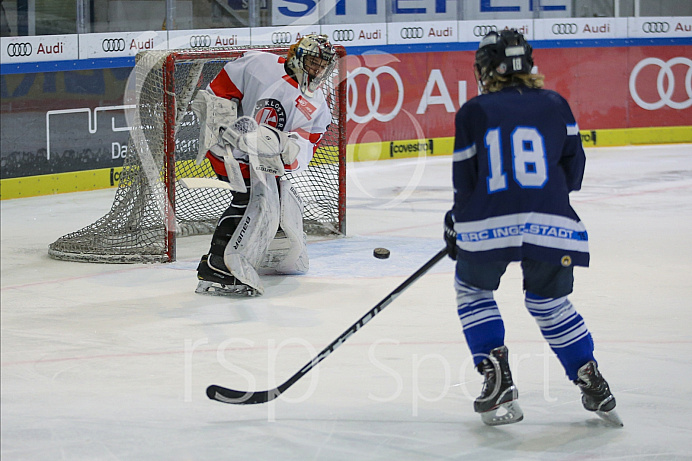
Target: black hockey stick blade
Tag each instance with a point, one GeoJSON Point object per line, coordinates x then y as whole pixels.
{"type": "Point", "coordinates": [226, 395]}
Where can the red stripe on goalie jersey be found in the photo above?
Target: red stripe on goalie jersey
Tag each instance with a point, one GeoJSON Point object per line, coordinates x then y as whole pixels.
{"type": "Point", "coordinates": [220, 169]}
{"type": "Point", "coordinates": [291, 81]}
{"type": "Point", "coordinates": [292, 166]}
{"type": "Point", "coordinates": [223, 87]}
{"type": "Point", "coordinates": [314, 138]}
{"type": "Point", "coordinates": [217, 165]}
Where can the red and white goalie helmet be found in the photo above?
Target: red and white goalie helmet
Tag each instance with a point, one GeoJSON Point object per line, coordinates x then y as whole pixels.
{"type": "Point", "coordinates": [311, 59]}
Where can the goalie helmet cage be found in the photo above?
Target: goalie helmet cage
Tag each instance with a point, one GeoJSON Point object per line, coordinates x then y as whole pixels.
{"type": "Point", "coordinates": [150, 210]}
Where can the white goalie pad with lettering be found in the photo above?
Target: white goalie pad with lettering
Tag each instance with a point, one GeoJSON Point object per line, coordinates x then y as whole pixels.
{"type": "Point", "coordinates": [251, 239]}
{"type": "Point", "coordinates": [288, 252]}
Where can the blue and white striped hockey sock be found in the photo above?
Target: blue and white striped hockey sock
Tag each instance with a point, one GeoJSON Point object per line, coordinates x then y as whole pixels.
{"type": "Point", "coordinates": [564, 329]}
{"type": "Point", "coordinates": [480, 317]}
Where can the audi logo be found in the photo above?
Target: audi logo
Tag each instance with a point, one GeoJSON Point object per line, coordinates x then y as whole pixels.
{"type": "Point", "coordinates": [411, 32]}
{"type": "Point", "coordinates": [373, 94]}
{"type": "Point", "coordinates": [482, 31]}
{"type": "Point", "coordinates": [113, 44]}
{"type": "Point", "coordinates": [565, 28]}
{"type": "Point", "coordinates": [200, 41]}
{"type": "Point", "coordinates": [19, 49]}
{"type": "Point", "coordinates": [665, 73]}
{"type": "Point", "coordinates": [655, 27]}
{"type": "Point", "coordinates": [281, 38]}
{"type": "Point", "coordinates": [345, 35]}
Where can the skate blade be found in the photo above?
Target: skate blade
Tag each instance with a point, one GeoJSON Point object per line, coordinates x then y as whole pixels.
{"type": "Point", "coordinates": [511, 414]}
{"type": "Point", "coordinates": [216, 289]}
{"type": "Point", "coordinates": [611, 417]}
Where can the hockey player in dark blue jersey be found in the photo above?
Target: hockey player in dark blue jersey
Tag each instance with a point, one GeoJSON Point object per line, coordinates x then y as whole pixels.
{"type": "Point", "coordinates": [517, 155]}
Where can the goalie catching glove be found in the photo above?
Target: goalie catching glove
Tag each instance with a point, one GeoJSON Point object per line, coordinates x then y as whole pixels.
{"type": "Point", "coordinates": [214, 113]}
{"type": "Point", "coordinates": [264, 147]}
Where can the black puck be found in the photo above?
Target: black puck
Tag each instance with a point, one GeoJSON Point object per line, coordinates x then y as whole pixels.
{"type": "Point", "coordinates": [380, 253]}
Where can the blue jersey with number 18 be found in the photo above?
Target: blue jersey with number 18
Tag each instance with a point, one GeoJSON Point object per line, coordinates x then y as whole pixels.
{"type": "Point", "coordinates": [517, 155]}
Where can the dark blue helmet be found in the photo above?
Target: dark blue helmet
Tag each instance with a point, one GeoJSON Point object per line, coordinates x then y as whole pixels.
{"type": "Point", "coordinates": [503, 53]}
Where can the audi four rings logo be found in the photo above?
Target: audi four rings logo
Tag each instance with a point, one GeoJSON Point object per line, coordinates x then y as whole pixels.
{"type": "Point", "coordinates": [665, 74]}
{"type": "Point", "coordinates": [345, 35]}
{"type": "Point", "coordinates": [565, 28]}
{"type": "Point", "coordinates": [281, 38]}
{"type": "Point", "coordinates": [482, 31]}
{"type": "Point", "coordinates": [113, 44]}
{"type": "Point", "coordinates": [19, 49]}
{"type": "Point", "coordinates": [200, 41]}
{"type": "Point", "coordinates": [411, 32]}
{"type": "Point", "coordinates": [373, 94]}
{"type": "Point", "coordinates": [655, 27]}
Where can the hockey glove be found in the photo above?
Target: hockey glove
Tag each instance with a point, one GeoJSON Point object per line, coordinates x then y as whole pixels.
{"type": "Point", "coordinates": [450, 235]}
{"type": "Point", "coordinates": [213, 114]}
{"type": "Point", "coordinates": [288, 147]}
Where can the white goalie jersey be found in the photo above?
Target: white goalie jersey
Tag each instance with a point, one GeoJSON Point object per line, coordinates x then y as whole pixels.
{"type": "Point", "coordinates": [264, 91]}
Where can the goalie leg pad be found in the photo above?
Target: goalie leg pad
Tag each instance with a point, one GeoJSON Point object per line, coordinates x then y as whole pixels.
{"type": "Point", "coordinates": [212, 267]}
{"type": "Point", "coordinates": [228, 222]}
{"type": "Point", "coordinates": [288, 252]}
{"type": "Point", "coordinates": [250, 240]}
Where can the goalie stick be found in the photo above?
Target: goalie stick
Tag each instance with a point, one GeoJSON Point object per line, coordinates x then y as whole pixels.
{"type": "Point", "coordinates": [226, 395]}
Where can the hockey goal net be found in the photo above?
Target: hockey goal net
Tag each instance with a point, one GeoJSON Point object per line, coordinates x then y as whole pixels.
{"type": "Point", "coordinates": [152, 205]}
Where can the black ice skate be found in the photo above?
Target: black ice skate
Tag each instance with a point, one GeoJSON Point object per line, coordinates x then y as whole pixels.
{"type": "Point", "coordinates": [596, 395]}
{"type": "Point", "coordinates": [218, 282]}
{"type": "Point", "coordinates": [499, 393]}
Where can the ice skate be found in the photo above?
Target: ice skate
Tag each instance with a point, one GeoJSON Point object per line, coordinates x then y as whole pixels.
{"type": "Point", "coordinates": [497, 403]}
{"type": "Point", "coordinates": [596, 395]}
{"type": "Point", "coordinates": [217, 283]}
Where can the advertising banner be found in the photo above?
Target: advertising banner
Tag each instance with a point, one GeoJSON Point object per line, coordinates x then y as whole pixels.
{"type": "Point", "coordinates": [301, 12]}
{"type": "Point", "coordinates": [374, 34]}
{"type": "Point", "coordinates": [295, 12]}
{"type": "Point", "coordinates": [18, 50]}
{"type": "Point", "coordinates": [39, 48]}
{"type": "Point", "coordinates": [407, 96]}
{"type": "Point", "coordinates": [399, 33]}
{"type": "Point", "coordinates": [353, 11]}
{"type": "Point", "coordinates": [660, 27]}
{"type": "Point", "coordinates": [120, 44]}
{"type": "Point", "coordinates": [473, 31]}
{"type": "Point", "coordinates": [285, 36]}
{"type": "Point", "coordinates": [408, 11]}
{"type": "Point", "coordinates": [208, 38]}
{"type": "Point", "coordinates": [56, 122]}
{"type": "Point", "coordinates": [579, 28]}
{"type": "Point", "coordinates": [516, 9]}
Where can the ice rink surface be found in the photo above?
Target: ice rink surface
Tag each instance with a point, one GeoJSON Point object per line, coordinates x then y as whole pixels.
{"type": "Point", "coordinates": [110, 362]}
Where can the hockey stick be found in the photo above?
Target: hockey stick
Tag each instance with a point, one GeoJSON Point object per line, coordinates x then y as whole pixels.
{"type": "Point", "coordinates": [225, 395]}
{"type": "Point", "coordinates": [203, 183]}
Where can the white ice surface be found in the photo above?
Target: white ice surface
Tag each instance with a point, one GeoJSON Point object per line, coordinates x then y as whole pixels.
{"type": "Point", "coordinates": [110, 362]}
